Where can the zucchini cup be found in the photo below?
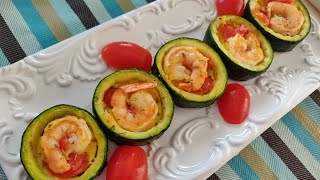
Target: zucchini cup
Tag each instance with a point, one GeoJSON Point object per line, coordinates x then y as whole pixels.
{"type": "Point", "coordinates": [64, 142]}
{"type": "Point", "coordinates": [284, 24]}
{"type": "Point", "coordinates": [133, 106]}
{"type": "Point", "coordinates": [192, 71]}
{"type": "Point", "coordinates": [244, 50]}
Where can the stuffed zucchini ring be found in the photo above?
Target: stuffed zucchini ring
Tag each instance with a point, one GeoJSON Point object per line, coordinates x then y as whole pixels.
{"type": "Point", "coordinates": [284, 23]}
{"type": "Point", "coordinates": [64, 142]}
{"type": "Point", "coordinates": [133, 106]}
{"type": "Point", "coordinates": [244, 50]}
{"type": "Point", "coordinates": [192, 71]}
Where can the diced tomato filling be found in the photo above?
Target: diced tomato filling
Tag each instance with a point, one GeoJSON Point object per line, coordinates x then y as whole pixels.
{"type": "Point", "coordinates": [78, 162]}
{"type": "Point", "coordinates": [207, 84]}
{"type": "Point", "coordinates": [63, 143]}
{"type": "Point", "coordinates": [210, 66]}
{"type": "Point", "coordinates": [108, 95]}
{"type": "Point", "coordinates": [187, 65]}
{"type": "Point", "coordinates": [262, 15]}
{"type": "Point", "coordinates": [132, 109]}
{"type": "Point", "coordinates": [228, 30]}
{"type": "Point", "coordinates": [205, 88]}
{"type": "Point", "coordinates": [263, 18]}
{"type": "Point", "coordinates": [243, 31]}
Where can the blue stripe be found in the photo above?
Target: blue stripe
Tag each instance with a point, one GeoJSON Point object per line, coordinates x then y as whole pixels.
{"type": "Point", "coordinates": [312, 109]}
{"type": "Point", "coordinates": [302, 134]}
{"type": "Point", "coordinates": [306, 158]}
{"type": "Point", "coordinates": [112, 7]}
{"type": "Point", "coordinates": [68, 16]}
{"type": "Point", "coordinates": [2, 175]}
{"type": "Point", "coordinates": [3, 59]}
{"type": "Point", "coordinates": [35, 22]}
{"type": "Point", "coordinates": [139, 3]}
{"type": "Point", "coordinates": [225, 172]}
{"type": "Point", "coordinates": [19, 28]}
{"type": "Point", "coordinates": [272, 159]}
{"type": "Point", "coordinates": [239, 165]}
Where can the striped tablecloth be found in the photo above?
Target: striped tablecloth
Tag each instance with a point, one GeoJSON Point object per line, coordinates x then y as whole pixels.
{"type": "Point", "coordinates": [290, 149]}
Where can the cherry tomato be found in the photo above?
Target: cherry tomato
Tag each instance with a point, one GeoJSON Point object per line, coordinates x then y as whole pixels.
{"type": "Point", "coordinates": [129, 163]}
{"type": "Point", "coordinates": [122, 55]}
{"type": "Point", "coordinates": [234, 104]}
{"type": "Point", "coordinates": [79, 163]}
{"type": "Point", "coordinates": [228, 30]}
{"type": "Point", "coordinates": [225, 7]}
{"type": "Point", "coordinates": [107, 96]}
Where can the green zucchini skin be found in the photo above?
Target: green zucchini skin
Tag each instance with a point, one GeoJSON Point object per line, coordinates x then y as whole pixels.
{"type": "Point", "coordinates": [183, 100]}
{"type": "Point", "coordinates": [119, 135]}
{"type": "Point", "coordinates": [119, 140]}
{"type": "Point", "coordinates": [235, 71]}
{"type": "Point", "coordinates": [177, 98]}
{"type": "Point", "coordinates": [278, 44]}
{"type": "Point", "coordinates": [58, 111]}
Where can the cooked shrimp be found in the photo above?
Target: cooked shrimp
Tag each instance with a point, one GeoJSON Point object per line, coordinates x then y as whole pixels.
{"type": "Point", "coordinates": [285, 18]}
{"type": "Point", "coordinates": [174, 67]}
{"type": "Point", "coordinates": [75, 130]}
{"type": "Point", "coordinates": [247, 50]}
{"type": "Point", "coordinates": [137, 112]}
{"type": "Point", "coordinates": [137, 86]}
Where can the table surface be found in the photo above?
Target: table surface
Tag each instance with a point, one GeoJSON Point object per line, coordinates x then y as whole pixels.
{"type": "Point", "coordinates": [287, 150]}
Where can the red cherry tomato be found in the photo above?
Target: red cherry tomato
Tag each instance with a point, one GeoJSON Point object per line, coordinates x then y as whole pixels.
{"type": "Point", "coordinates": [122, 55]}
{"type": "Point", "coordinates": [129, 163]}
{"type": "Point", "coordinates": [234, 104]}
{"type": "Point", "coordinates": [107, 96]}
{"type": "Point", "coordinates": [79, 163]}
{"type": "Point", "coordinates": [225, 7]}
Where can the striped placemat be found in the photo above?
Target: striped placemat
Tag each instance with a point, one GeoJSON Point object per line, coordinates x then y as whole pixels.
{"type": "Point", "coordinates": [290, 149]}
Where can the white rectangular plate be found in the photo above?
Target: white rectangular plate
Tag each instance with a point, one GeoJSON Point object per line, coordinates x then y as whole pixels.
{"type": "Point", "coordinates": [198, 141]}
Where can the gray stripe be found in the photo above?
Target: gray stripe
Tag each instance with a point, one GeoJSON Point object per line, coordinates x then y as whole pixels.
{"type": "Point", "coordinates": [98, 10]}
{"type": "Point", "coordinates": [19, 28]}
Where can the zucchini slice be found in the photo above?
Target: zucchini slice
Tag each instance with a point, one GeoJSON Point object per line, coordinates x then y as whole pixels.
{"type": "Point", "coordinates": [32, 153]}
{"type": "Point", "coordinates": [138, 130]}
{"type": "Point", "coordinates": [235, 59]}
{"type": "Point", "coordinates": [180, 96]}
{"type": "Point", "coordinates": [279, 41]}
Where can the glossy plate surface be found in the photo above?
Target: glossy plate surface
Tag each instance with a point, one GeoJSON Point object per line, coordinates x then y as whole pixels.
{"type": "Point", "coordinates": [198, 141]}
